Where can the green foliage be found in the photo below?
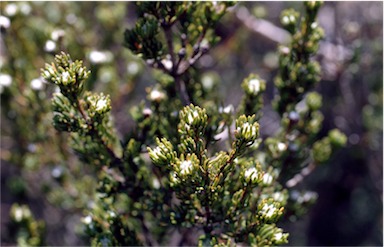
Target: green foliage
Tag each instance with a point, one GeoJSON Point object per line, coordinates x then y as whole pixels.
{"type": "Point", "coordinates": [253, 87]}
{"type": "Point", "coordinates": [155, 38]}
{"type": "Point", "coordinates": [30, 232]}
{"type": "Point", "coordinates": [298, 73]}
{"type": "Point", "coordinates": [173, 172]}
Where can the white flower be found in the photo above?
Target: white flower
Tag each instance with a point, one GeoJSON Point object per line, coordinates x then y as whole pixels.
{"type": "Point", "coordinates": [247, 130]}
{"type": "Point", "coordinates": [267, 179]}
{"type": "Point", "coordinates": [37, 84]}
{"type": "Point", "coordinates": [285, 20]}
{"type": "Point", "coordinates": [268, 210]}
{"type": "Point", "coordinates": [192, 116]}
{"type": "Point", "coordinates": [156, 152]}
{"type": "Point", "coordinates": [50, 46]}
{"type": "Point", "coordinates": [314, 25]}
{"type": "Point", "coordinates": [227, 110]}
{"type": "Point", "coordinates": [133, 68]}
{"type": "Point", "coordinates": [156, 95]}
{"type": "Point", "coordinates": [57, 34]}
{"type": "Point", "coordinates": [57, 172]}
{"type": "Point", "coordinates": [186, 167]}
{"type": "Point", "coordinates": [147, 112]}
{"type": "Point", "coordinates": [100, 57]}
{"type": "Point", "coordinates": [207, 82]}
{"type": "Point", "coordinates": [11, 9]}
{"type": "Point", "coordinates": [25, 8]}
{"type": "Point", "coordinates": [281, 146]}
{"type": "Point", "coordinates": [285, 50]}
{"type": "Point", "coordinates": [278, 236]}
{"type": "Point", "coordinates": [87, 220]}
{"type": "Point", "coordinates": [278, 196]}
{"type": "Point", "coordinates": [112, 214]}
{"type": "Point", "coordinates": [65, 77]}
{"type": "Point", "coordinates": [288, 19]}
{"type": "Point", "coordinates": [254, 86]}
{"type": "Point", "coordinates": [18, 214]}
{"type": "Point", "coordinates": [51, 71]}
{"type": "Point", "coordinates": [156, 183]}
{"type": "Point", "coordinates": [5, 80]}
{"type": "Point", "coordinates": [167, 63]}
{"type": "Point", "coordinates": [251, 174]}
{"type": "Point", "coordinates": [101, 105]}
{"type": "Point", "coordinates": [4, 22]}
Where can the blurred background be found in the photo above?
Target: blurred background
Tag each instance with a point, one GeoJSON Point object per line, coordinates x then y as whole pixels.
{"type": "Point", "coordinates": [39, 169]}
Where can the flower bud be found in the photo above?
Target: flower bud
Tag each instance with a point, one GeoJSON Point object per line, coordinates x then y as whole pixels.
{"type": "Point", "coordinates": [192, 118]}
{"type": "Point", "coordinates": [185, 166]}
{"type": "Point", "coordinates": [253, 85]}
{"type": "Point", "coordinates": [267, 179]}
{"type": "Point", "coordinates": [102, 105]}
{"type": "Point", "coordinates": [65, 77]}
{"type": "Point", "coordinates": [156, 96]}
{"type": "Point", "coordinates": [99, 104]}
{"type": "Point", "coordinates": [247, 129]}
{"type": "Point", "coordinates": [252, 175]}
{"type": "Point", "coordinates": [163, 154]}
{"type": "Point", "coordinates": [279, 237]}
{"type": "Point", "coordinates": [269, 210]}
{"type": "Point", "coordinates": [289, 19]}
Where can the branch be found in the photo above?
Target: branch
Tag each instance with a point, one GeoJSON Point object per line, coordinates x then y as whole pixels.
{"type": "Point", "coordinates": [95, 133]}
{"type": "Point", "coordinates": [262, 27]}
{"type": "Point", "coordinates": [327, 50]}
{"type": "Point", "coordinates": [180, 85]}
{"type": "Point", "coordinates": [299, 177]}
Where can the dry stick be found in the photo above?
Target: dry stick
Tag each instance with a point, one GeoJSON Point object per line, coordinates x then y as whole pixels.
{"type": "Point", "coordinates": [299, 177]}
{"type": "Point", "coordinates": [262, 27]}
{"type": "Point", "coordinates": [281, 36]}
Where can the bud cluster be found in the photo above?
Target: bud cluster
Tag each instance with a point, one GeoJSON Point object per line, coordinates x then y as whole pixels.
{"type": "Point", "coordinates": [68, 75]}
{"type": "Point", "coordinates": [24, 222]}
{"type": "Point", "coordinates": [289, 19]}
{"type": "Point", "coordinates": [298, 73]}
{"type": "Point", "coordinates": [269, 235]}
{"type": "Point", "coordinates": [253, 174]}
{"type": "Point", "coordinates": [163, 154]}
{"type": "Point", "coordinates": [247, 129]}
{"type": "Point", "coordinates": [252, 101]}
{"type": "Point", "coordinates": [269, 210]}
{"type": "Point", "coordinates": [186, 165]}
{"type": "Point", "coordinates": [253, 85]}
{"type": "Point", "coordinates": [98, 104]}
{"type": "Point", "coordinates": [193, 119]}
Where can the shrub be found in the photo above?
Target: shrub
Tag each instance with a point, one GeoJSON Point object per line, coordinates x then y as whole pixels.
{"type": "Point", "coordinates": [192, 166]}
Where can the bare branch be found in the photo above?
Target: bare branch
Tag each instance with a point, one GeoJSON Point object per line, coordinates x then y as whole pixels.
{"type": "Point", "coordinates": [263, 27]}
